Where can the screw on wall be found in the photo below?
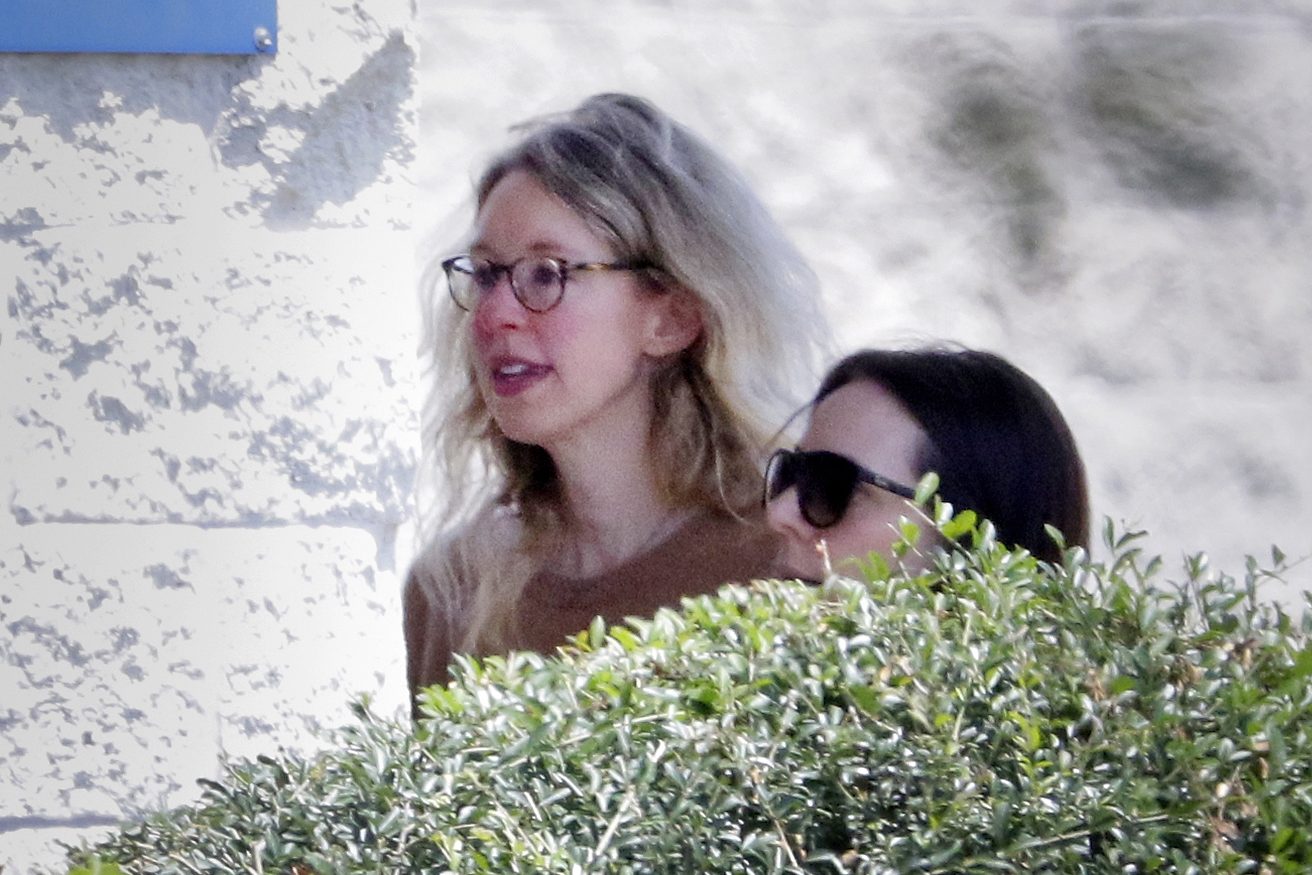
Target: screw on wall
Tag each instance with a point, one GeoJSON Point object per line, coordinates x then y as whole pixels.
{"type": "Point", "coordinates": [263, 39]}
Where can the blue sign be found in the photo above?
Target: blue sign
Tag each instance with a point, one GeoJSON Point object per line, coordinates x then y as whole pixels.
{"type": "Point", "coordinates": [207, 27]}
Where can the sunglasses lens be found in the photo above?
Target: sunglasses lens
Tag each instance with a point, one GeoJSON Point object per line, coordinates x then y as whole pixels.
{"type": "Point", "coordinates": [779, 474]}
{"type": "Point", "coordinates": [825, 487]}
{"type": "Point", "coordinates": [825, 482]}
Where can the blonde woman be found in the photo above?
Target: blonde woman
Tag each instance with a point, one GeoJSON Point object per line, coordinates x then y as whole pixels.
{"type": "Point", "coordinates": [624, 330]}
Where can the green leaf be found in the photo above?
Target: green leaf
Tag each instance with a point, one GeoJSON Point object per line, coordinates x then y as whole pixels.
{"type": "Point", "coordinates": [926, 488]}
{"type": "Point", "coordinates": [1122, 684]}
{"type": "Point", "coordinates": [961, 524]}
{"type": "Point", "coordinates": [597, 633]}
{"type": "Point", "coordinates": [96, 867]}
{"type": "Point", "coordinates": [865, 698]}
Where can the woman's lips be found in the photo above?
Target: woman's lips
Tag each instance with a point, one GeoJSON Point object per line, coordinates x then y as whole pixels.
{"type": "Point", "coordinates": [512, 376]}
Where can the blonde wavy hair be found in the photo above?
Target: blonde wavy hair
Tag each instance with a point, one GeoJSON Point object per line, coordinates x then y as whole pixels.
{"type": "Point", "coordinates": [657, 194]}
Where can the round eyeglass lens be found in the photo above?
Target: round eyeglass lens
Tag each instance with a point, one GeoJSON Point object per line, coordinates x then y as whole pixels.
{"type": "Point", "coordinates": [539, 283]}
{"type": "Point", "coordinates": [482, 278]}
{"type": "Point", "coordinates": [462, 279]}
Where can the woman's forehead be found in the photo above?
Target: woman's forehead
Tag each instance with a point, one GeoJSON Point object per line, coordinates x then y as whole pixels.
{"type": "Point", "coordinates": [866, 422]}
{"type": "Point", "coordinates": [520, 216]}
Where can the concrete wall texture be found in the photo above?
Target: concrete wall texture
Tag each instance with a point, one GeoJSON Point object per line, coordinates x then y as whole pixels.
{"type": "Point", "coordinates": [208, 353]}
{"type": "Point", "coordinates": [209, 438]}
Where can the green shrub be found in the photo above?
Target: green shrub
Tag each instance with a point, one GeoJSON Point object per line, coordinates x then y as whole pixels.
{"type": "Point", "coordinates": [994, 715]}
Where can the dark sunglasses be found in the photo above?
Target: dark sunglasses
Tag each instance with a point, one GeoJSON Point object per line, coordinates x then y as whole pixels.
{"type": "Point", "coordinates": [825, 482]}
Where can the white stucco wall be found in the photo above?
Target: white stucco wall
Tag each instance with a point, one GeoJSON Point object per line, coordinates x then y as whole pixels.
{"type": "Point", "coordinates": [208, 424]}
{"type": "Point", "coordinates": [208, 433]}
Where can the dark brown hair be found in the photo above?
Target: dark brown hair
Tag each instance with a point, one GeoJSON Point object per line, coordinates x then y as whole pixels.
{"type": "Point", "coordinates": [996, 439]}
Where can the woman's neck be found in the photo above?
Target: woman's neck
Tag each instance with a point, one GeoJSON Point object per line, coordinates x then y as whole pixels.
{"type": "Point", "coordinates": [613, 507]}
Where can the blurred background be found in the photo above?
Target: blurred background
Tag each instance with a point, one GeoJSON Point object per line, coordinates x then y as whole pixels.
{"type": "Point", "coordinates": [1112, 195]}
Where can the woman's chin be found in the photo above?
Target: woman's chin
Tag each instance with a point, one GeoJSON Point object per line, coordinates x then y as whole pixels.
{"type": "Point", "coordinates": [521, 429]}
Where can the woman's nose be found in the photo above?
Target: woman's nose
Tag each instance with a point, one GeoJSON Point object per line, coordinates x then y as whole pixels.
{"type": "Point", "coordinates": [498, 308]}
{"type": "Point", "coordinates": [784, 516]}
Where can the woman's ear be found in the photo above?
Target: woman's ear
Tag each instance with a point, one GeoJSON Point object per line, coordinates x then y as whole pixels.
{"type": "Point", "coordinates": [675, 323]}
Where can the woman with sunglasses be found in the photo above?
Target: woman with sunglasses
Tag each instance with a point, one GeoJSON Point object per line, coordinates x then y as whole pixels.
{"type": "Point", "coordinates": [625, 327]}
{"type": "Point", "coordinates": [884, 418]}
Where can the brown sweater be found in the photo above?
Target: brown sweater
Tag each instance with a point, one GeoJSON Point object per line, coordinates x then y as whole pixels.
{"type": "Point", "coordinates": [704, 553]}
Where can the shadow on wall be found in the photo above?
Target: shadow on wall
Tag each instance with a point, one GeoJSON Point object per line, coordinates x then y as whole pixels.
{"type": "Point", "coordinates": [346, 138]}
{"type": "Point", "coordinates": [343, 140]}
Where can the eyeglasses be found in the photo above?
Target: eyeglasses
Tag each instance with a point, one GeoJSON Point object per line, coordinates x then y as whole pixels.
{"type": "Point", "coordinates": [825, 482]}
{"type": "Point", "coordinates": [538, 281]}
